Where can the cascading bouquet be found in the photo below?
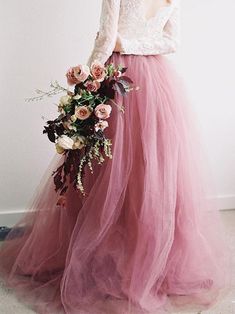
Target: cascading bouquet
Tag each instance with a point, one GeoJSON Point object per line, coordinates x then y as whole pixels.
{"type": "Point", "coordinates": [78, 131]}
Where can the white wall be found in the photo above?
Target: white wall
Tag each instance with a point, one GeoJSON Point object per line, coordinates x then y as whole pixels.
{"type": "Point", "coordinates": [207, 63]}
{"type": "Point", "coordinates": [41, 39]}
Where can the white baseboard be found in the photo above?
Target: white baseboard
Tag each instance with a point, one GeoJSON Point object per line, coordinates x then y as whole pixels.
{"type": "Point", "coordinates": [226, 202]}
{"type": "Point", "coordinates": [9, 217]}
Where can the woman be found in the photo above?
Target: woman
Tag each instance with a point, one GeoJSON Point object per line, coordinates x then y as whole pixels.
{"type": "Point", "coordinates": [145, 239]}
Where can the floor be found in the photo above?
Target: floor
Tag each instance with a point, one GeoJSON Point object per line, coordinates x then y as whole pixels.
{"type": "Point", "coordinates": [10, 305]}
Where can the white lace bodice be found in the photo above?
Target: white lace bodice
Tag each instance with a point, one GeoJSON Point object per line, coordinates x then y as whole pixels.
{"type": "Point", "coordinates": [138, 35]}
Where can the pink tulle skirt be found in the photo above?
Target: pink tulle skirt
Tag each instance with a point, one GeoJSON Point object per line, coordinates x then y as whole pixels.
{"type": "Point", "coordinates": [147, 237]}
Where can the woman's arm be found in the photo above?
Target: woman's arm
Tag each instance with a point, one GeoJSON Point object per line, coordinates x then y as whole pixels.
{"type": "Point", "coordinates": [107, 34]}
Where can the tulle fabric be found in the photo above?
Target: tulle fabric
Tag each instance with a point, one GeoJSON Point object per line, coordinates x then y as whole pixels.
{"type": "Point", "coordinates": [147, 238]}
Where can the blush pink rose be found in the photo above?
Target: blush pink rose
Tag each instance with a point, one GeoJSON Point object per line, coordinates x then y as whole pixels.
{"type": "Point", "coordinates": [82, 112]}
{"type": "Point", "coordinates": [92, 86]}
{"type": "Point", "coordinates": [101, 125]}
{"type": "Point", "coordinates": [117, 73]}
{"type": "Point", "coordinates": [77, 74]}
{"type": "Point", "coordinates": [103, 111]}
{"type": "Point", "coordinates": [71, 79]}
{"type": "Point", "coordinates": [98, 71]}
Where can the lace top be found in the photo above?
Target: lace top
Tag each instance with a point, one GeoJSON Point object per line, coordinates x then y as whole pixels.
{"type": "Point", "coordinates": [126, 19]}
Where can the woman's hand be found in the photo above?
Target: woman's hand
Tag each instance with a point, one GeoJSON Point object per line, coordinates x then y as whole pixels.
{"type": "Point", "coordinates": [118, 46]}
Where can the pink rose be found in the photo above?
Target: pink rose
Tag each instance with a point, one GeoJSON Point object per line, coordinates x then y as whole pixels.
{"type": "Point", "coordinates": [82, 112]}
{"type": "Point", "coordinates": [71, 79]}
{"type": "Point", "coordinates": [77, 74]}
{"type": "Point", "coordinates": [117, 73]}
{"type": "Point", "coordinates": [101, 125]}
{"type": "Point", "coordinates": [92, 86]}
{"type": "Point", "coordinates": [98, 71]}
{"type": "Point", "coordinates": [103, 111]}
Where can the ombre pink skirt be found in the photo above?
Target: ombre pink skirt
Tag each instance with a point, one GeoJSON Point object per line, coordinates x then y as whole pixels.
{"type": "Point", "coordinates": [147, 237]}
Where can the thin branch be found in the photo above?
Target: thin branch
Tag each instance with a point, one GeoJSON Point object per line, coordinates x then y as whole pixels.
{"type": "Point", "coordinates": [56, 89]}
{"type": "Point", "coordinates": [122, 108]}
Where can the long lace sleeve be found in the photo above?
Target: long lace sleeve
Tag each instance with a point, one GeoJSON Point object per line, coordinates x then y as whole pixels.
{"type": "Point", "coordinates": [108, 27]}
{"type": "Point", "coordinates": [162, 42]}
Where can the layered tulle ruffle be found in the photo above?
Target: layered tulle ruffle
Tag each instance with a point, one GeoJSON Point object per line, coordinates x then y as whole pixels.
{"type": "Point", "coordinates": [147, 237]}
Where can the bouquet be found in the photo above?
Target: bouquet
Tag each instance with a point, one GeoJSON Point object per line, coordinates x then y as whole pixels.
{"type": "Point", "coordinates": [79, 130]}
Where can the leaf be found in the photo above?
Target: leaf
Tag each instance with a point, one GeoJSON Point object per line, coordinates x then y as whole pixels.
{"type": "Point", "coordinates": [50, 133]}
{"type": "Point", "coordinates": [59, 129]}
{"type": "Point", "coordinates": [58, 180]}
{"type": "Point", "coordinates": [64, 190]}
{"type": "Point", "coordinates": [126, 79]}
{"type": "Point", "coordinates": [119, 88]}
{"type": "Point", "coordinates": [49, 122]}
{"type": "Point", "coordinates": [51, 136]}
{"type": "Point", "coordinates": [107, 90]}
{"type": "Point", "coordinates": [123, 70]}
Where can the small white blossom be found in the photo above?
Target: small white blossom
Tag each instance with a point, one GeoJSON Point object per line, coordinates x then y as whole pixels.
{"type": "Point", "coordinates": [65, 142]}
